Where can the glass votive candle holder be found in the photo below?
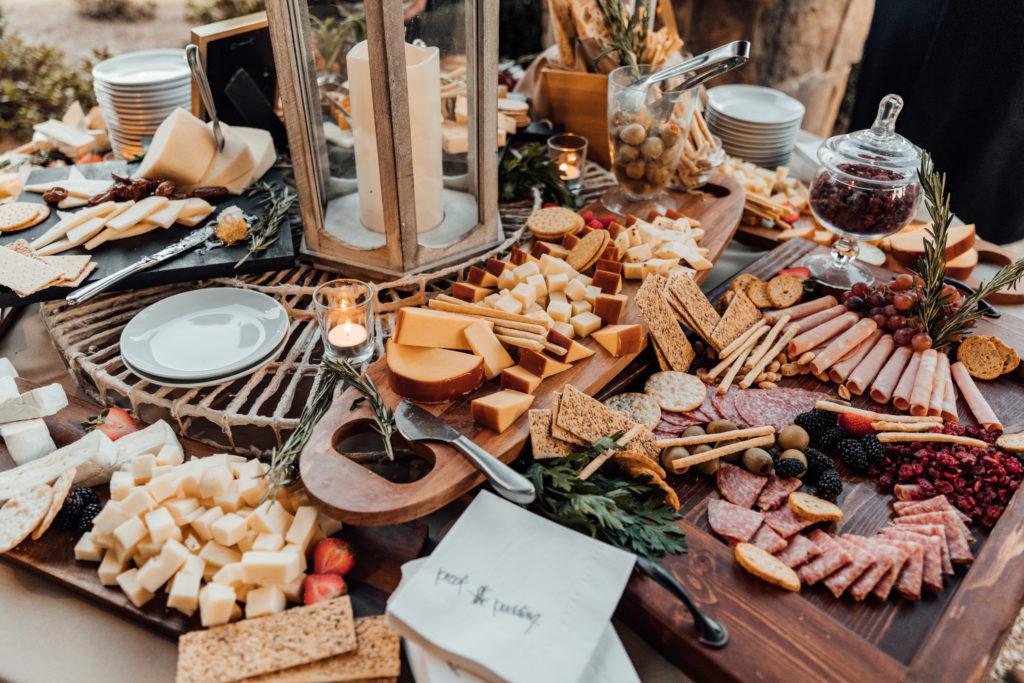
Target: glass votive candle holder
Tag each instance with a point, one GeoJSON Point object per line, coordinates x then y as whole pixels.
{"type": "Point", "coordinates": [569, 152]}
{"type": "Point", "coordinates": [344, 311]}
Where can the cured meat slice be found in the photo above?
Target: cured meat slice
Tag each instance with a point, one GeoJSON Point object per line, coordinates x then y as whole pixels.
{"type": "Point", "coordinates": [956, 536]}
{"type": "Point", "coordinates": [924, 382]}
{"type": "Point", "coordinates": [833, 556]}
{"type": "Point", "coordinates": [786, 522]}
{"type": "Point", "coordinates": [821, 317]}
{"type": "Point", "coordinates": [726, 407]}
{"type": "Point", "coordinates": [865, 372]}
{"type": "Point", "coordinates": [980, 408]}
{"type": "Point", "coordinates": [842, 369]}
{"type": "Point", "coordinates": [805, 341]}
{"type": "Point", "coordinates": [936, 530]}
{"type": "Point", "coordinates": [933, 504]}
{"type": "Point", "coordinates": [912, 573]}
{"type": "Point", "coordinates": [898, 557]}
{"type": "Point", "coordinates": [776, 491]}
{"type": "Point", "coordinates": [843, 346]}
{"type": "Point", "coordinates": [688, 419]}
{"type": "Point", "coordinates": [889, 376]}
{"type": "Point", "coordinates": [901, 394]}
{"type": "Point", "coordinates": [738, 485]}
{"type": "Point", "coordinates": [767, 540]}
{"type": "Point", "coordinates": [777, 407]}
{"type": "Point", "coordinates": [800, 550]}
{"type": "Point", "coordinates": [949, 411]}
{"type": "Point", "coordinates": [935, 403]}
{"type": "Point", "coordinates": [931, 574]}
{"type": "Point", "coordinates": [883, 562]}
{"type": "Point", "coordinates": [913, 492]}
{"type": "Point", "coordinates": [708, 407]}
{"type": "Point", "coordinates": [732, 521]}
{"type": "Point", "coordinates": [802, 310]}
{"type": "Point", "coordinates": [843, 578]}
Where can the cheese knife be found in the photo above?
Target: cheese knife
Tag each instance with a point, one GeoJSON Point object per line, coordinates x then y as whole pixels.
{"type": "Point", "coordinates": [192, 239]}
{"type": "Point", "coordinates": [416, 424]}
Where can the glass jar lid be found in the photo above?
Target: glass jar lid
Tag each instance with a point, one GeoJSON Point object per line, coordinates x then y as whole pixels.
{"type": "Point", "coordinates": [878, 154]}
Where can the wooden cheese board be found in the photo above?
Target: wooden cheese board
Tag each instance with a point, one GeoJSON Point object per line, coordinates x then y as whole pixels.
{"type": "Point", "coordinates": [381, 551]}
{"type": "Point", "coordinates": [352, 493]}
{"type": "Point", "coordinates": [809, 636]}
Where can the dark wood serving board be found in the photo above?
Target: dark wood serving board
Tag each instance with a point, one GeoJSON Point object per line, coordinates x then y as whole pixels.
{"type": "Point", "coordinates": [809, 636]}
{"type": "Point", "coordinates": [196, 264]}
{"type": "Point", "coordinates": [354, 494]}
{"type": "Point", "coordinates": [380, 551]}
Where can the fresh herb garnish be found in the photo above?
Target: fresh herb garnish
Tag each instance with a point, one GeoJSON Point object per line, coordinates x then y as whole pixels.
{"type": "Point", "coordinates": [275, 203]}
{"type": "Point", "coordinates": [628, 31]}
{"type": "Point", "coordinates": [383, 418]}
{"type": "Point", "coordinates": [531, 168]}
{"type": "Point", "coordinates": [625, 512]}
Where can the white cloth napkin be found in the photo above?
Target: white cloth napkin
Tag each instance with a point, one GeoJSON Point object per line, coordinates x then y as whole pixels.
{"type": "Point", "coordinates": [510, 596]}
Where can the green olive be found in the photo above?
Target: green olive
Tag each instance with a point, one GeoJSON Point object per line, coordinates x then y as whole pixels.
{"type": "Point", "coordinates": [695, 430]}
{"type": "Point", "coordinates": [673, 453]}
{"type": "Point", "coordinates": [719, 426]}
{"type": "Point", "coordinates": [709, 467]}
{"type": "Point", "coordinates": [794, 436]}
{"type": "Point", "coordinates": [758, 461]}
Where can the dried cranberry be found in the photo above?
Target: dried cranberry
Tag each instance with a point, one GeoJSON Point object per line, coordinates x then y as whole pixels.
{"type": "Point", "coordinates": [864, 208]}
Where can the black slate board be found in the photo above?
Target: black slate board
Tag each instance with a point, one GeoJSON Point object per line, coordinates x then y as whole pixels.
{"type": "Point", "coordinates": [196, 264]}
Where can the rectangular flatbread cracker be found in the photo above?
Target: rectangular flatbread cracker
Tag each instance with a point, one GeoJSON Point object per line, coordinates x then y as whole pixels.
{"type": "Point", "coordinates": [541, 442]}
{"type": "Point", "coordinates": [662, 323]}
{"type": "Point", "coordinates": [559, 433]}
{"type": "Point", "coordinates": [590, 420]}
{"type": "Point", "coordinates": [24, 274]}
{"type": "Point", "coordinates": [688, 295]}
{"type": "Point", "coordinates": [741, 314]}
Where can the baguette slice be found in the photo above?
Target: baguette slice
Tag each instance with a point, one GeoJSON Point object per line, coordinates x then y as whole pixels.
{"type": "Point", "coordinates": [766, 566]}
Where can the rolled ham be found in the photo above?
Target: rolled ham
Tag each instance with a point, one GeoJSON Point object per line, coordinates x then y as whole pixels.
{"type": "Point", "coordinates": [820, 334]}
{"type": "Point", "coordinates": [802, 310]}
{"type": "Point", "coordinates": [939, 386]}
{"type": "Point", "coordinates": [821, 317]}
{"type": "Point", "coordinates": [901, 395]}
{"type": "Point", "coordinates": [843, 345]}
{"type": "Point", "coordinates": [871, 365]}
{"type": "Point", "coordinates": [924, 382]}
{"type": "Point", "coordinates": [949, 411]}
{"type": "Point", "coordinates": [842, 369]}
{"type": "Point", "coordinates": [885, 382]}
{"type": "Point", "coordinates": [980, 408]}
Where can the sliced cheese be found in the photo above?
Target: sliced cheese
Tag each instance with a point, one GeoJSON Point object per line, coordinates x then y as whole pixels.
{"type": "Point", "coordinates": [499, 410]}
{"type": "Point", "coordinates": [40, 402]}
{"type": "Point", "coordinates": [182, 150]}
{"type": "Point", "coordinates": [111, 235]}
{"type": "Point", "coordinates": [141, 210]}
{"type": "Point", "coordinates": [480, 337]}
{"type": "Point", "coordinates": [70, 202]}
{"type": "Point", "coordinates": [62, 226]}
{"type": "Point", "coordinates": [261, 148]}
{"type": "Point", "coordinates": [27, 440]}
{"type": "Point", "coordinates": [431, 375]}
{"type": "Point", "coordinates": [229, 163]}
{"type": "Point", "coordinates": [434, 329]}
{"type": "Point", "coordinates": [166, 216]}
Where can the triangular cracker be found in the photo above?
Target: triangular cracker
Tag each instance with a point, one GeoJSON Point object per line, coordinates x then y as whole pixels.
{"type": "Point", "coordinates": [687, 293]}
{"type": "Point", "coordinates": [590, 420]}
{"type": "Point", "coordinates": [542, 443]}
{"type": "Point", "coordinates": [741, 314]}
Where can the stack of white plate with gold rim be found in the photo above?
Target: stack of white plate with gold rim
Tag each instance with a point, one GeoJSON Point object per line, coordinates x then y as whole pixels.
{"type": "Point", "coordinates": [136, 91]}
{"type": "Point", "coordinates": [755, 123]}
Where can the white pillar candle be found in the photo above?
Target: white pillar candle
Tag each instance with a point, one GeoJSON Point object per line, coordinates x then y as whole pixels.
{"type": "Point", "coordinates": [423, 75]}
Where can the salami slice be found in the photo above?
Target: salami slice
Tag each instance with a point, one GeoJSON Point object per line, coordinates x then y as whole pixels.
{"type": "Point", "coordinates": [726, 407]}
{"type": "Point", "coordinates": [843, 578]}
{"type": "Point", "coordinates": [931, 571]}
{"type": "Point", "coordinates": [898, 556]}
{"type": "Point", "coordinates": [767, 540]}
{"type": "Point", "coordinates": [786, 522]}
{"type": "Point", "coordinates": [732, 521]}
{"type": "Point", "coordinates": [681, 420]}
{"type": "Point", "coordinates": [867, 581]}
{"type": "Point", "coordinates": [937, 531]}
{"type": "Point", "coordinates": [956, 536]}
{"type": "Point", "coordinates": [776, 491]}
{"type": "Point", "coordinates": [833, 557]}
{"type": "Point", "coordinates": [777, 407]}
{"type": "Point", "coordinates": [912, 573]}
{"type": "Point", "coordinates": [708, 409]}
{"type": "Point", "coordinates": [738, 485]}
{"type": "Point", "coordinates": [933, 504]}
{"type": "Point", "coordinates": [799, 550]}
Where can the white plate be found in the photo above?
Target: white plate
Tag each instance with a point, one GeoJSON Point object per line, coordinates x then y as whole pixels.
{"type": "Point", "coordinates": [755, 104]}
{"type": "Point", "coordinates": [143, 68]}
{"type": "Point", "coordinates": [729, 129]}
{"type": "Point", "coordinates": [213, 381]}
{"type": "Point", "coordinates": [144, 98]}
{"type": "Point", "coordinates": [203, 334]}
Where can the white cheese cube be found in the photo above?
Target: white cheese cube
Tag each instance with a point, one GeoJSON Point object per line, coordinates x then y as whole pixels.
{"type": "Point", "coordinates": [231, 499]}
{"type": "Point", "coordinates": [581, 307]}
{"type": "Point", "coordinates": [560, 311]}
{"type": "Point", "coordinates": [129, 583]}
{"type": "Point", "coordinates": [263, 601]}
{"type": "Point", "coordinates": [27, 440]}
{"type": "Point", "coordinates": [228, 530]}
{"type": "Point", "coordinates": [142, 466]}
{"type": "Point", "coordinates": [162, 487]}
{"type": "Point", "coordinates": [110, 517]}
{"type": "Point", "coordinates": [293, 591]}
{"type": "Point", "coordinates": [137, 502]}
{"type": "Point", "coordinates": [268, 569]}
{"type": "Point", "coordinates": [184, 593]}
{"type": "Point", "coordinates": [230, 575]}
{"type": "Point", "coordinates": [179, 507]}
{"type": "Point", "coordinates": [303, 527]}
{"type": "Point", "coordinates": [592, 293]}
{"type": "Point", "coordinates": [121, 484]}
{"type": "Point", "coordinates": [161, 568]}
{"type": "Point", "coordinates": [86, 550]}
{"type": "Point", "coordinates": [539, 284]}
{"type": "Point", "coordinates": [576, 290]}
{"type": "Point", "coordinates": [102, 539]}
{"type": "Point", "coordinates": [556, 282]}
{"type": "Point", "coordinates": [565, 329]}
{"type": "Point", "coordinates": [551, 265]}
{"type": "Point", "coordinates": [191, 517]}
{"type": "Point", "coordinates": [189, 476]}
{"type": "Point", "coordinates": [160, 524]}
{"type": "Point", "coordinates": [193, 565]}
{"type": "Point", "coordinates": [585, 323]}
{"type": "Point", "coordinates": [251, 489]}
{"type": "Point", "coordinates": [638, 254]}
{"type": "Point", "coordinates": [215, 481]}
{"type": "Point", "coordinates": [509, 304]}
{"type": "Point", "coordinates": [526, 270]}
{"type": "Point", "coordinates": [268, 542]}
{"type": "Point", "coordinates": [202, 525]}
{"type": "Point", "coordinates": [247, 541]}
{"type": "Point", "coordinates": [250, 469]}
{"type": "Point", "coordinates": [148, 548]}
{"type": "Point", "coordinates": [525, 294]}
{"type": "Point", "coordinates": [170, 454]}
{"type": "Point", "coordinates": [583, 280]}
{"type": "Point", "coordinates": [129, 533]}
{"type": "Point", "coordinates": [507, 280]}
{"type": "Point", "coordinates": [193, 543]}
{"type": "Point", "coordinates": [300, 551]}
{"type": "Point", "coordinates": [215, 604]}
{"type": "Point", "coordinates": [37, 403]}
{"type": "Point", "coordinates": [216, 555]}
{"type": "Point", "coordinates": [270, 518]}
{"type": "Point", "coordinates": [109, 568]}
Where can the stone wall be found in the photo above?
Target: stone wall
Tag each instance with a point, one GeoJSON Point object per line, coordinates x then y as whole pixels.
{"type": "Point", "coordinates": [803, 47]}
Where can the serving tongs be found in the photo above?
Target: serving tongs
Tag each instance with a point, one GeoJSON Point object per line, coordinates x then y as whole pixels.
{"type": "Point", "coordinates": [203, 83]}
{"type": "Point", "coordinates": [709, 632]}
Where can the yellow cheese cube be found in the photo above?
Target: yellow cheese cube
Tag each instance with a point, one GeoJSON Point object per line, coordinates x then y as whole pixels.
{"type": "Point", "coordinates": [270, 518]}
{"type": "Point", "coordinates": [564, 328]}
{"type": "Point", "coordinates": [162, 487]}
{"type": "Point", "coordinates": [184, 593]}
{"type": "Point", "coordinates": [268, 542]}
{"type": "Point", "coordinates": [560, 311]}
{"type": "Point", "coordinates": [193, 565]}
{"type": "Point", "coordinates": [179, 507]}
{"type": "Point", "coordinates": [121, 484]}
{"type": "Point", "coordinates": [581, 307]}
{"type": "Point", "coordinates": [228, 530]}
{"type": "Point", "coordinates": [216, 555]}
{"type": "Point", "coordinates": [303, 527]}
{"type": "Point", "coordinates": [215, 481]}
{"type": "Point", "coordinates": [216, 603]}
{"type": "Point", "coordinates": [638, 254]}
{"type": "Point", "coordinates": [137, 502]}
{"type": "Point", "coordinates": [633, 271]}
{"type": "Point", "coordinates": [202, 525]}
{"type": "Point", "coordinates": [129, 583]}
{"type": "Point", "coordinates": [585, 323]}
{"type": "Point", "coordinates": [499, 410]}
{"type": "Point", "coordinates": [557, 282]}
{"type": "Point", "coordinates": [129, 533]}
{"type": "Point", "coordinates": [576, 290]}
{"type": "Point", "coordinates": [263, 601]}
{"type": "Point", "coordinates": [482, 341]}
{"type": "Point", "coordinates": [271, 568]}
{"type": "Point", "coordinates": [86, 550]}
{"type": "Point", "coordinates": [110, 567]}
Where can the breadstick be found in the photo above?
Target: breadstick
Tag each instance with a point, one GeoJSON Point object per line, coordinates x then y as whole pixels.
{"type": "Point", "coordinates": [742, 350]}
{"type": "Point", "coordinates": [840, 408]}
{"type": "Point", "coordinates": [535, 328]}
{"type": "Point", "coordinates": [679, 465]}
{"type": "Point", "coordinates": [742, 339]}
{"type": "Point", "coordinates": [500, 332]}
{"type": "Point", "coordinates": [472, 309]}
{"type": "Point", "coordinates": [767, 342]}
{"type": "Point", "coordinates": [734, 370]}
{"type": "Point", "coordinates": [595, 464]}
{"type": "Point", "coordinates": [892, 437]}
{"type": "Point", "coordinates": [887, 426]}
{"type": "Point", "coordinates": [520, 342]}
{"type": "Point", "coordinates": [698, 439]}
{"type": "Point", "coordinates": [779, 345]}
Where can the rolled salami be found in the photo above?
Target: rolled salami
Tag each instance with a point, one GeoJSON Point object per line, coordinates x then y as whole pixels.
{"type": "Point", "coordinates": [842, 369]}
{"type": "Point", "coordinates": [901, 395]}
{"type": "Point", "coordinates": [802, 310]}
{"type": "Point", "coordinates": [949, 411]}
{"type": "Point", "coordinates": [939, 386]}
{"type": "Point", "coordinates": [843, 345]}
{"type": "Point", "coordinates": [924, 382]}
{"type": "Point", "coordinates": [885, 382]}
{"type": "Point", "coordinates": [870, 366]}
{"type": "Point", "coordinates": [975, 401]}
{"type": "Point", "coordinates": [822, 333]}
{"type": "Point", "coordinates": [815, 319]}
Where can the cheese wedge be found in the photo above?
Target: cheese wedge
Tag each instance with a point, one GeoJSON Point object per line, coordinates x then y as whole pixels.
{"type": "Point", "coordinates": [40, 402]}
{"type": "Point", "coordinates": [434, 329]}
{"type": "Point", "coordinates": [261, 148]}
{"type": "Point", "coordinates": [141, 210]}
{"type": "Point", "coordinates": [480, 337]}
{"type": "Point", "coordinates": [620, 340]}
{"type": "Point", "coordinates": [230, 163]}
{"type": "Point", "coordinates": [519, 379]}
{"type": "Point", "coordinates": [539, 364]}
{"type": "Point", "coordinates": [499, 410]}
{"type": "Point", "coordinates": [182, 150]}
{"type": "Point", "coordinates": [432, 375]}
{"type": "Point", "coordinates": [72, 221]}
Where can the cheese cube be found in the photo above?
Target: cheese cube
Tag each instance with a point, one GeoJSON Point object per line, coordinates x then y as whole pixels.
{"type": "Point", "coordinates": [189, 476]}
{"type": "Point", "coordinates": [610, 307]}
{"type": "Point", "coordinates": [129, 533]}
{"type": "Point", "coordinates": [184, 593]}
{"type": "Point", "coordinates": [231, 499]}
{"type": "Point", "coordinates": [203, 524]}
{"type": "Point", "coordinates": [148, 548]}
{"type": "Point", "coordinates": [86, 550]}
{"type": "Point", "coordinates": [583, 280]}
{"type": "Point", "coordinates": [581, 307]}
{"type": "Point", "coordinates": [161, 568]}
{"type": "Point", "coordinates": [557, 282]}
{"type": "Point", "coordinates": [179, 507]}
{"type": "Point", "coordinates": [592, 292]}
{"type": "Point", "coordinates": [633, 271]}
{"type": "Point", "coordinates": [110, 567]}
{"type": "Point", "coordinates": [541, 317]}
{"type": "Point", "coordinates": [560, 311]}
{"type": "Point", "coordinates": [539, 284]}
{"type": "Point", "coordinates": [526, 270]}
{"type": "Point", "coordinates": [170, 454]}
{"type": "Point", "coordinates": [230, 575]}
{"type": "Point", "coordinates": [193, 565]}
{"type": "Point", "coordinates": [252, 468]}
{"type": "Point", "coordinates": [552, 265]}
{"type": "Point", "coordinates": [137, 502]}
{"type": "Point", "coordinates": [193, 543]}
{"type": "Point", "coordinates": [507, 279]}
{"type": "Point", "coordinates": [585, 323]}
{"type": "Point", "coordinates": [293, 591]}
{"type": "Point", "coordinates": [638, 254]}
{"type": "Point", "coordinates": [620, 340]}
{"type": "Point", "coordinates": [576, 291]}
{"type": "Point", "coordinates": [532, 309]}
{"type": "Point", "coordinates": [270, 518]}
{"type": "Point", "coordinates": [191, 517]}
{"type": "Point", "coordinates": [271, 568]}
{"type": "Point", "coordinates": [110, 517]}
{"type": "Point", "coordinates": [268, 542]}
{"type": "Point", "coordinates": [228, 530]}
{"type": "Point", "coordinates": [215, 604]}
{"type": "Point", "coordinates": [121, 484]}
{"type": "Point", "coordinates": [298, 550]}
{"type": "Point", "coordinates": [247, 541]}
{"type": "Point", "coordinates": [525, 294]}
{"type": "Point", "coordinates": [499, 410]}
{"type": "Point", "coordinates": [482, 341]}
{"type": "Point", "coordinates": [303, 527]}
{"type": "Point", "coordinates": [509, 304]}
{"type": "Point", "coordinates": [265, 600]}
{"type": "Point", "coordinates": [215, 481]}
{"type": "Point", "coordinates": [564, 328]}
{"type": "Point", "coordinates": [141, 467]}
{"type": "Point", "coordinates": [129, 583]}
{"type": "Point", "coordinates": [160, 524]}
{"type": "Point", "coordinates": [216, 555]}
{"type": "Point", "coordinates": [102, 539]}
{"type": "Point", "coordinates": [162, 487]}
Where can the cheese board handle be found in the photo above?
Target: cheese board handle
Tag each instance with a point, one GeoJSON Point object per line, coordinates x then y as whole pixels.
{"type": "Point", "coordinates": [710, 632]}
{"type": "Point", "coordinates": [509, 483]}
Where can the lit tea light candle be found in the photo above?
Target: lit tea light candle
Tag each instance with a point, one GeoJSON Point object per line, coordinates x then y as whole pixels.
{"type": "Point", "coordinates": [344, 312]}
{"type": "Point", "coordinates": [569, 153]}
{"type": "Point", "coordinates": [568, 172]}
{"type": "Point", "coordinates": [347, 335]}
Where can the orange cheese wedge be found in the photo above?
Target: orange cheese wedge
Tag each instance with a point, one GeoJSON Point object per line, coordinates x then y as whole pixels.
{"type": "Point", "coordinates": [432, 375]}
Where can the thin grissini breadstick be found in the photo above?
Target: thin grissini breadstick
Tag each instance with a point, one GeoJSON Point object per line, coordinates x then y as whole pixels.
{"type": "Point", "coordinates": [887, 426]}
{"type": "Point", "coordinates": [893, 437]}
{"type": "Point", "coordinates": [734, 370]}
{"type": "Point", "coordinates": [742, 339]}
{"type": "Point", "coordinates": [473, 309]}
{"type": "Point", "coordinates": [766, 343]}
{"type": "Point", "coordinates": [772, 352]}
{"type": "Point", "coordinates": [537, 329]}
{"type": "Point", "coordinates": [730, 359]}
{"type": "Point", "coordinates": [520, 342]}
{"type": "Point", "coordinates": [595, 464]}
{"type": "Point", "coordinates": [680, 464]}
{"type": "Point", "coordinates": [698, 439]}
{"type": "Point", "coordinates": [519, 334]}
{"type": "Point", "coordinates": [840, 408]}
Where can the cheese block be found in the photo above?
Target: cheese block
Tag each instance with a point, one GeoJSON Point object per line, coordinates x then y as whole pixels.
{"type": "Point", "coordinates": [519, 379]}
{"type": "Point", "coordinates": [27, 440]}
{"type": "Point", "coordinates": [610, 307]}
{"type": "Point", "coordinates": [232, 165]}
{"type": "Point", "coordinates": [138, 212]}
{"type": "Point", "coordinates": [482, 278]}
{"type": "Point", "coordinates": [620, 340]}
{"type": "Point", "coordinates": [434, 329]}
{"type": "Point", "coordinates": [585, 323]}
{"type": "Point", "coordinates": [539, 364]}
{"type": "Point", "coordinates": [271, 568]}
{"type": "Point", "coordinates": [908, 247]}
{"type": "Point", "coordinates": [432, 375]}
{"type": "Point", "coordinates": [480, 337]}
{"type": "Point", "coordinates": [40, 402]}
{"type": "Point", "coordinates": [470, 292]}
{"type": "Point", "coordinates": [261, 149]}
{"type": "Point", "coordinates": [574, 350]}
{"type": "Point", "coordinates": [499, 410]}
{"type": "Point", "coordinates": [182, 150]}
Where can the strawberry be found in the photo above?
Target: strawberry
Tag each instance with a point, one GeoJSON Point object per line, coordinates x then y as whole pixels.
{"type": "Point", "coordinates": [856, 425]}
{"type": "Point", "coordinates": [791, 217]}
{"type": "Point", "coordinates": [798, 272]}
{"type": "Point", "coordinates": [320, 587]}
{"type": "Point", "coordinates": [587, 216]}
{"type": "Point", "coordinates": [333, 556]}
{"type": "Point", "coordinates": [114, 422]}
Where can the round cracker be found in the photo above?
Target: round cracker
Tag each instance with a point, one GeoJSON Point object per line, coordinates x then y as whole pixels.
{"type": "Point", "coordinates": [758, 293]}
{"type": "Point", "coordinates": [587, 249]}
{"type": "Point", "coordinates": [742, 281]}
{"type": "Point", "coordinates": [1010, 357]}
{"type": "Point", "coordinates": [766, 566]}
{"type": "Point", "coordinates": [676, 392]}
{"type": "Point", "coordinates": [637, 407]}
{"type": "Point", "coordinates": [60, 494]}
{"type": "Point", "coordinates": [21, 514]}
{"type": "Point", "coordinates": [553, 222]}
{"type": "Point", "coordinates": [20, 215]}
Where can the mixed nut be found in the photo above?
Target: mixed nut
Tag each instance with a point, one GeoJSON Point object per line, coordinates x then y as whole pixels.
{"type": "Point", "coordinates": [645, 153]}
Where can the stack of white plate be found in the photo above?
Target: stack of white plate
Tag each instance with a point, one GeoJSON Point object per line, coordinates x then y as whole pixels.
{"type": "Point", "coordinates": [755, 123]}
{"type": "Point", "coordinates": [136, 91]}
{"type": "Point", "coordinates": [204, 337]}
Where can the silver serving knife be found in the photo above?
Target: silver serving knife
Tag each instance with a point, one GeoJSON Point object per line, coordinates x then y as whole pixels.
{"type": "Point", "coordinates": [416, 424]}
{"type": "Point", "coordinates": [193, 239]}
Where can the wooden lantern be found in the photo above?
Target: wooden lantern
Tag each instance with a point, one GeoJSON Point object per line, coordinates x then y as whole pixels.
{"type": "Point", "coordinates": [392, 204]}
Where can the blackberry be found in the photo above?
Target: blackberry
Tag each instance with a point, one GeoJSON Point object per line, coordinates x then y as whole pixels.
{"type": "Point", "coordinates": [831, 438]}
{"type": "Point", "coordinates": [817, 463]}
{"type": "Point", "coordinates": [815, 421]}
{"type": "Point", "coordinates": [854, 455]}
{"type": "Point", "coordinates": [78, 497]}
{"type": "Point", "coordinates": [829, 485]}
{"type": "Point", "coordinates": [874, 449]}
{"type": "Point", "coordinates": [88, 513]}
{"type": "Point", "coordinates": [789, 467]}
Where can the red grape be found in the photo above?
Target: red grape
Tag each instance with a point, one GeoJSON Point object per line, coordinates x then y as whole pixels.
{"type": "Point", "coordinates": [876, 310]}
{"type": "Point", "coordinates": [860, 289]}
{"type": "Point", "coordinates": [854, 303]}
{"type": "Point", "coordinates": [921, 341]}
{"type": "Point", "coordinates": [845, 296]}
{"type": "Point", "coordinates": [904, 336]}
{"type": "Point", "coordinates": [902, 282]}
{"type": "Point", "coordinates": [903, 302]}
{"type": "Point", "coordinates": [880, 320]}
{"type": "Point", "coordinates": [877, 299]}
{"type": "Point", "coordinates": [895, 322]}
{"type": "Point", "coordinates": [890, 311]}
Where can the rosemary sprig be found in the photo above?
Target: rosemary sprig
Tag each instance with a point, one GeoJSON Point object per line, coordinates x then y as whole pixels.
{"type": "Point", "coordinates": [628, 31]}
{"type": "Point", "coordinates": [275, 204]}
{"type": "Point", "coordinates": [383, 418]}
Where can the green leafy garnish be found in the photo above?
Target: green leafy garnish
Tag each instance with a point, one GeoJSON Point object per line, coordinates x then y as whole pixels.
{"type": "Point", "coordinates": [275, 203]}
{"type": "Point", "coordinates": [530, 168]}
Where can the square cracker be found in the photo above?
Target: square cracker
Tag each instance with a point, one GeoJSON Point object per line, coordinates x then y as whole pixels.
{"type": "Point", "coordinates": [541, 442]}
{"type": "Point", "coordinates": [660, 357]}
{"type": "Point", "coordinates": [662, 323]}
{"type": "Point", "coordinates": [377, 657]}
{"type": "Point", "coordinates": [590, 420]}
{"type": "Point", "coordinates": [741, 314]}
{"type": "Point", "coordinates": [25, 274]}
{"type": "Point", "coordinates": [71, 265]}
{"type": "Point", "coordinates": [257, 646]}
{"type": "Point", "coordinates": [687, 293]}
{"type": "Point", "coordinates": [559, 433]}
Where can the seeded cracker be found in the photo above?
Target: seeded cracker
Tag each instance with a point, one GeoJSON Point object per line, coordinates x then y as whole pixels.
{"type": "Point", "coordinates": [257, 646]}
{"type": "Point", "coordinates": [741, 314]}
{"type": "Point", "coordinates": [688, 295]}
{"type": "Point", "coordinates": [590, 420]}
{"type": "Point", "coordinates": [662, 324]}
{"type": "Point", "coordinates": [637, 407]}
{"type": "Point", "coordinates": [556, 431]}
{"type": "Point", "coordinates": [542, 443]}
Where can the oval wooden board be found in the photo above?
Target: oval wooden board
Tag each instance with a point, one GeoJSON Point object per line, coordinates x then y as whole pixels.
{"type": "Point", "coordinates": [350, 492]}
